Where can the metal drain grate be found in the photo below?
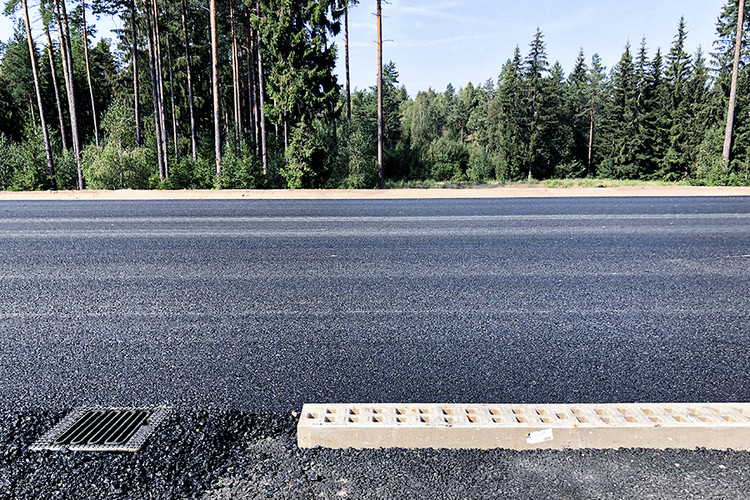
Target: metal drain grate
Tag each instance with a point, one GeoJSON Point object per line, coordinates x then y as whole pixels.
{"type": "Point", "coordinates": [103, 429]}
{"type": "Point", "coordinates": [525, 426]}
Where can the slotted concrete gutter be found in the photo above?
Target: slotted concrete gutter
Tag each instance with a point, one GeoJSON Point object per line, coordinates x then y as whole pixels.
{"type": "Point", "coordinates": [526, 426]}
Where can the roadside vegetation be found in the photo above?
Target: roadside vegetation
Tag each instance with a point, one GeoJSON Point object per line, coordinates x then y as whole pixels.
{"type": "Point", "coordinates": [242, 95]}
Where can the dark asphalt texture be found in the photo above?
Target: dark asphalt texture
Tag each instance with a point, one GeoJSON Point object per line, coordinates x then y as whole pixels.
{"type": "Point", "coordinates": [255, 307]}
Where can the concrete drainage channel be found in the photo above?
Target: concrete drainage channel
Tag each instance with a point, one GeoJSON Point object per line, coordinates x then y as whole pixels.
{"type": "Point", "coordinates": [525, 427]}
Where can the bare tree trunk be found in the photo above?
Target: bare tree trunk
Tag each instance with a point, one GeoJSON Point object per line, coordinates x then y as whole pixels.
{"type": "Point", "coordinates": [162, 94]}
{"type": "Point", "coordinates": [154, 88]}
{"type": "Point", "coordinates": [38, 91]}
{"type": "Point", "coordinates": [53, 71]}
{"type": "Point", "coordinates": [189, 81]}
{"type": "Point", "coordinates": [733, 89]}
{"type": "Point", "coordinates": [261, 94]}
{"type": "Point", "coordinates": [381, 179]}
{"type": "Point", "coordinates": [235, 77]}
{"type": "Point", "coordinates": [215, 83]}
{"type": "Point", "coordinates": [136, 93]}
{"type": "Point", "coordinates": [286, 133]}
{"type": "Point", "coordinates": [67, 59]}
{"type": "Point", "coordinates": [346, 50]}
{"type": "Point", "coordinates": [171, 98]}
{"type": "Point", "coordinates": [88, 72]}
{"type": "Point", "coordinates": [591, 142]}
{"type": "Point", "coordinates": [251, 93]}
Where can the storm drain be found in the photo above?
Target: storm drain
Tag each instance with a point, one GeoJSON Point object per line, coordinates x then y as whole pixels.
{"type": "Point", "coordinates": [525, 426]}
{"type": "Point", "coordinates": [103, 429]}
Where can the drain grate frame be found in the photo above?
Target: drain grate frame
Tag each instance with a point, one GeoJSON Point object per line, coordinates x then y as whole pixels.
{"type": "Point", "coordinates": [103, 428]}
{"type": "Point", "coordinates": [526, 426]}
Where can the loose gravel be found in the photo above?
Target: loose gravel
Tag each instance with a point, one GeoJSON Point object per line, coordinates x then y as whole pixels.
{"type": "Point", "coordinates": [223, 454]}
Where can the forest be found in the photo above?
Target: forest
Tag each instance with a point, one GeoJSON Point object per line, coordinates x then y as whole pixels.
{"type": "Point", "coordinates": [242, 94]}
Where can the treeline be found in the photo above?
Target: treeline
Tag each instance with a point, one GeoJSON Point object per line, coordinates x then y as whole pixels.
{"type": "Point", "coordinates": [241, 94]}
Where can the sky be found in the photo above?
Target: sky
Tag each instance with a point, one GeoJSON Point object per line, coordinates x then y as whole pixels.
{"type": "Point", "coordinates": [436, 42]}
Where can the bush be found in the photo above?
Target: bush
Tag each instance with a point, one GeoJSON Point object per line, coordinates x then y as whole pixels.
{"type": "Point", "coordinates": [362, 163]}
{"type": "Point", "coordinates": [112, 167]}
{"type": "Point", "coordinates": [569, 170]}
{"type": "Point", "coordinates": [448, 159]}
{"type": "Point", "coordinates": [10, 161]}
{"type": "Point", "coordinates": [240, 171]}
{"type": "Point", "coordinates": [30, 163]}
{"type": "Point", "coordinates": [482, 166]}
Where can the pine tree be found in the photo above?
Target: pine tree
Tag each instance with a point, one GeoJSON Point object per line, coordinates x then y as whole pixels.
{"type": "Point", "coordinates": [674, 164]}
{"type": "Point", "coordinates": [536, 66]}
{"type": "Point", "coordinates": [509, 117]}
{"type": "Point", "coordinates": [620, 121]}
{"type": "Point", "coordinates": [577, 99]}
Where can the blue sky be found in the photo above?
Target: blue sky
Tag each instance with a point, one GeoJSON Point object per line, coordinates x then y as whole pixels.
{"type": "Point", "coordinates": [436, 42]}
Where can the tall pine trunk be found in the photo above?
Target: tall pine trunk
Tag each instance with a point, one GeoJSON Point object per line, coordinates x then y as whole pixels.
{"type": "Point", "coordinates": [235, 77]}
{"type": "Point", "coordinates": [88, 72]}
{"type": "Point", "coordinates": [56, 87]}
{"type": "Point", "coordinates": [215, 88]}
{"type": "Point", "coordinates": [261, 96]}
{"type": "Point", "coordinates": [154, 89]}
{"type": "Point", "coordinates": [591, 142]}
{"type": "Point", "coordinates": [251, 92]}
{"type": "Point", "coordinates": [171, 98]}
{"type": "Point", "coordinates": [733, 89]}
{"type": "Point", "coordinates": [381, 178]}
{"type": "Point", "coordinates": [38, 92]}
{"type": "Point", "coordinates": [346, 51]}
{"type": "Point", "coordinates": [188, 70]}
{"type": "Point", "coordinates": [67, 60]}
{"type": "Point", "coordinates": [136, 93]}
{"type": "Point", "coordinates": [162, 95]}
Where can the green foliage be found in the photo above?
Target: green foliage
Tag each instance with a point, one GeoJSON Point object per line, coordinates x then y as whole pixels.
{"type": "Point", "coordinates": [449, 159]}
{"type": "Point", "coordinates": [482, 166]}
{"type": "Point", "coordinates": [240, 170]}
{"type": "Point", "coordinates": [112, 167]}
{"type": "Point", "coordinates": [301, 155]}
{"type": "Point", "coordinates": [362, 164]}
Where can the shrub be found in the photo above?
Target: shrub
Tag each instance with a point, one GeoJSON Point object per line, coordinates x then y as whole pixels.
{"type": "Point", "coordinates": [448, 159]}
{"type": "Point", "coordinates": [112, 167]}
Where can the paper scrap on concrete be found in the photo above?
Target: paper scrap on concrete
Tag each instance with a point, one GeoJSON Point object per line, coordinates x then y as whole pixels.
{"type": "Point", "coordinates": [539, 436]}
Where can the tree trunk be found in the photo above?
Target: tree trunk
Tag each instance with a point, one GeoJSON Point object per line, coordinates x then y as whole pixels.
{"type": "Point", "coordinates": [67, 59]}
{"type": "Point", "coordinates": [261, 95]}
{"type": "Point", "coordinates": [162, 94]}
{"type": "Point", "coordinates": [56, 87]}
{"type": "Point", "coordinates": [733, 89]}
{"type": "Point", "coordinates": [381, 179]}
{"type": "Point", "coordinates": [346, 51]}
{"type": "Point", "coordinates": [171, 98]}
{"type": "Point", "coordinates": [136, 103]}
{"type": "Point", "coordinates": [251, 92]}
{"type": "Point", "coordinates": [591, 142]}
{"type": "Point", "coordinates": [235, 77]}
{"type": "Point", "coordinates": [215, 83]}
{"type": "Point", "coordinates": [154, 88]}
{"type": "Point", "coordinates": [88, 72]}
{"type": "Point", "coordinates": [193, 140]}
{"type": "Point", "coordinates": [38, 92]}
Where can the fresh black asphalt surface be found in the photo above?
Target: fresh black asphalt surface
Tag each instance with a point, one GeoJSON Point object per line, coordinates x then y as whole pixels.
{"type": "Point", "coordinates": [237, 312]}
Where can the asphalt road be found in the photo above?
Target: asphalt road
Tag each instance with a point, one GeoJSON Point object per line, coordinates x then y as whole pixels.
{"type": "Point", "coordinates": [260, 306]}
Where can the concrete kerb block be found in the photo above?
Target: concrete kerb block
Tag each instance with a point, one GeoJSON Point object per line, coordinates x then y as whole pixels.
{"type": "Point", "coordinates": [526, 426]}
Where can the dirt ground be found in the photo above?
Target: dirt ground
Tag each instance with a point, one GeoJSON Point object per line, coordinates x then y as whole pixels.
{"type": "Point", "coordinates": [349, 194]}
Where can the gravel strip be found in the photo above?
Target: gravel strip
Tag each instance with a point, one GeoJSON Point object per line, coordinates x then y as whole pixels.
{"type": "Point", "coordinates": [223, 454]}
